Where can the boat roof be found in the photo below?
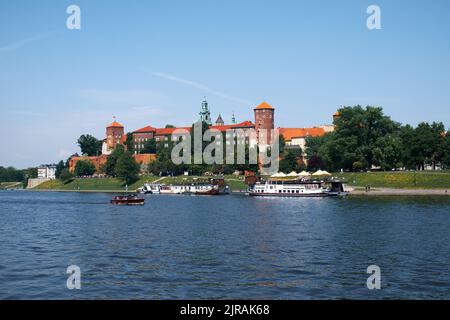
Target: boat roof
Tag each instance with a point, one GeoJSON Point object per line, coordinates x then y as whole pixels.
{"type": "Point", "coordinates": [294, 181]}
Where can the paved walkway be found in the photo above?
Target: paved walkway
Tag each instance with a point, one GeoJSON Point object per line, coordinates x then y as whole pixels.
{"type": "Point", "coordinates": [157, 180]}
{"type": "Point", "coordinates": [401, 192]}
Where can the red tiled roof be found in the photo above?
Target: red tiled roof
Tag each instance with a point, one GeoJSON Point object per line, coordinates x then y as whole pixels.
{"type": "Point", "coordinates": [264, 105]}
{"type": "Point", "coordinates": [290, 133]}
{"type": "Point", "coordinates": [115, 124]}
{"type": "Point", "coordinates": [167, 131]}
{"type": "Point", "coordinates": [245, 124]}
{"type": "Point", "coordinates": [145, 129]}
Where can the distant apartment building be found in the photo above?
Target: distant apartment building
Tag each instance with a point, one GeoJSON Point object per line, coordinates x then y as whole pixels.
{"type": "Point", "coordinates": [47, 171]}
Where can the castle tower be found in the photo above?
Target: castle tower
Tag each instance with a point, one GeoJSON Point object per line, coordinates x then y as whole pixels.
{"type": "Point", "coordinates": [264, 119]}
{"type": "Point", "coordinates": [219, 121]}
{"type": "Point", "coordinates": [205, 115]}
{"type": "Point", "coordinates": [336, 117]}
{"type": "Point", "coordinates": [114, 135]}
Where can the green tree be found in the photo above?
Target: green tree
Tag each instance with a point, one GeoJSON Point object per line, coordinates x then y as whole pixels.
{"type": "Point", "coordinates": [89, 145]}
{"type": "Point", "coordinates": [446, 151]}
{"type": "Point", "coordinates": [11, 174]}
{"type": "Point", "coordinates": [388, 152]}
{"type": "Point", "coordinates": [65, 175]}
{"type": "Point", "coordinates": [282, 144]}
{"type": "Point", "coordinates": [410, 157]}
{"type": "Point", "coordinates": [84, 168]}
{"type": "Point", "coordinates": [129, 143]}
{"type": "Point", "coordinates": [31, 173]}
{"type": "Point", "coordinates": [127, 169]}
{"type": "Point", "coordinates": [109, 167]}
{"type": "Point", "coordinates": [290, 161]}
{"type": "Point", "coordinates": [149, 146]}
{"type": "Point", "coordinates": [59, 168]}
{"type": "Point", "coordinates": [428, 143]}
{"type": "Point", "coordinates": [355, 144]}
{"type": "Point", "coordinates": [315, 163]}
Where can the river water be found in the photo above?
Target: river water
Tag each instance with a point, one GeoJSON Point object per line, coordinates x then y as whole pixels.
{"type": "Point", "coordinates": [223, 247]}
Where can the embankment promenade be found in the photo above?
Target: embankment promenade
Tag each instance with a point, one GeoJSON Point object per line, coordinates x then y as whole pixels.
{"type": "Point", "coordinates": [400, 192]}
{"type": "Point", "coordinates": [381, 183]}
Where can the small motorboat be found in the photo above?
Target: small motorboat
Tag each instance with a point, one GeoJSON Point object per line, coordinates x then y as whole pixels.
{"type": "Point", "coordinates": [128, 200]}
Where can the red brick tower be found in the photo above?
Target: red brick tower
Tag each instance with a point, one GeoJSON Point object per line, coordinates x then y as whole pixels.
{"type": "Point", "coordinates": [114, 135]}
{"type": "Point", "coordinates": [264, 119]}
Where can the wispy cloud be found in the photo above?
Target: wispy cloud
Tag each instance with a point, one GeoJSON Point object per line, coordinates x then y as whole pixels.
{"type": "Point", "coordinates": [27, 113]}
{"type": "Point", "coordinates": [21, 43]}
{"type": "Point", "coordinates": [121, 97]}
{"type": "Point", "coordinates": [202, 87]}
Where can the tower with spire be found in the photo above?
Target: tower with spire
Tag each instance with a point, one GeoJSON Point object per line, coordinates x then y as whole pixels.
{"type": "Point", "coordinates": [219, 121]}
{"type": "Point", "coordinates": [205, 114]}
{"type": "Point", "coordinates": [233, 119]}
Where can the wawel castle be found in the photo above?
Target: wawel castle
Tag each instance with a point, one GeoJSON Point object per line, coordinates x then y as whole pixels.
{"type": "Point", "coordinates": [264, 118]}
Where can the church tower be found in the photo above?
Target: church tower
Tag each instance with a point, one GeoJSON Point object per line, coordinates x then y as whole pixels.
{"type": "Point", "coordinates": [219, 121]}
{"type": "Point", "coordinates": [264, 119]}
{"type": "Point", "coordinates": [205, 114]}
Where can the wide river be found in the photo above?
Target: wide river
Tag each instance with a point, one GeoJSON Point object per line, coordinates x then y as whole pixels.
{"type": "Point", "coordinates": [198, 247]}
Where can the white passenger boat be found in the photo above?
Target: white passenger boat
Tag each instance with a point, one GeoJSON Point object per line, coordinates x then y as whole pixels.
{"type": "Point", "coordinates": [152, 188]}
{"type": "Point", "coordinates": [196, 189]}
{"type": "Point", "coordinates": [294, 188]}
{"type": "Point", "coordinates": [214, 186]}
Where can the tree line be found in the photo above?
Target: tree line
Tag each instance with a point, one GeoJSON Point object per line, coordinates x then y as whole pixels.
{"type": "Point", "coordinates": [11, 174]}
{"type": "Point", "coordinates": [365, 138]}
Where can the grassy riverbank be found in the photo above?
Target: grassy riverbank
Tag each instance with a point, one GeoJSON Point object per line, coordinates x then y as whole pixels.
{"type": "Point", "coordinates": [391, 180]}
{"type": "Point", "coordinates": [112, 184]}
{"type": "Point", "coordinates": [398, 180]}
{"type": "Point", "coordinates": [91, 184]}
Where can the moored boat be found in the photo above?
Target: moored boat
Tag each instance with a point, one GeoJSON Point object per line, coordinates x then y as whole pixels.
{"type": "Point", "coordinates": [150, 188]}
{"type": "Point", "coordinates": [337, 189]}
{"type": "Point", "coordinates": [128, 200]}
{"type": "Point", "coordinates": [192, 189]}
{"type": "Point", "coordinates": [290, 188]}
{"type": "Point", "coordinates": [215, 186]}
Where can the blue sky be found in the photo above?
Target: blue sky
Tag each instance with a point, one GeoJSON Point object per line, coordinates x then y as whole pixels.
{"type": "Point", "coordinates": [151, 62]}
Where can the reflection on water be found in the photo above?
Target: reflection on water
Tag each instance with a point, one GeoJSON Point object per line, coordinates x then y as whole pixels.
{"type": "Point", "coordinates": [187, 247]}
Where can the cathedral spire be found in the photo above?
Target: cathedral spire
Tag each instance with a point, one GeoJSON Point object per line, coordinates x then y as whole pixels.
{"type": "Point", "coordinates": [219, 121]}
{"type": "Point", "coordinates": [205, 114]}
{"type": "Point", "coordinates": [233, 119]}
